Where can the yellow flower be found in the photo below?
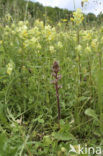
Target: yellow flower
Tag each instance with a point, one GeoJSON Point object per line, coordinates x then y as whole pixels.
{"type": "Point", "coordinates": [21, 23]}
{"type": "Point", "coordinates": [39, 24]}
{"type": "Point", "coordinates": [79, 48]}
{"type": "Point", "coordinates": [87, 36]}
{"type": "Point", "coordinates": [10, 67]}
{"type": "Point", "coordinates": [8, 17]}
{"type": "Point", "coordinates": [59, 24]}
{"type": "Point", "coordinates": [59, 44]}
{"type": "Point", "coordinates": [64, 20]}
{"type": "Point", "coordinates": [77, 17]}
{"type": "Point", "coordinates": [39, 46]}
{"type": "Point", "coordinates": [24, 33]}
{"type": "Point", "coordinates": [7, 28]}
{"type": "Point", "coordinates": [51, 48]}
{"type": "Point", "coordinates": [94, 43]}
{"type": "Point", "coordinates": [88, 49]}
{"type": "Point", "coordinates": [84, 1]}
{"type": "Point", "coordinates": [72, 19]}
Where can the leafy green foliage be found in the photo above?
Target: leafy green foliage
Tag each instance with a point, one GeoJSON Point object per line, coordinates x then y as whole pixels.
{"type": "Point", "coordinates": [91, 113]}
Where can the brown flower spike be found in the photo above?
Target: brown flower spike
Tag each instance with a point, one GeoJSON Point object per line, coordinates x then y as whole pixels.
{"type": "Point", "coordinates": [57, 77]}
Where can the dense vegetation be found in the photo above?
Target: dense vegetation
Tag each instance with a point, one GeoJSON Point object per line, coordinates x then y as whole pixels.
{"type": "Point", "coordinates": [29, 49]}
{"type": "Point", "coordinates": [21, 10]}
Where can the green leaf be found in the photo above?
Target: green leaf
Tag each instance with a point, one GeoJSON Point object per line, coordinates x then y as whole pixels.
{"type": "Point", "coordinates": [40, 120]}
{"type": "Point", "coordinates": [90, 112]}
{"type": "Point", "coordinates": [5, 148]}
{"type": "Point", "coordinates": [63, 136]}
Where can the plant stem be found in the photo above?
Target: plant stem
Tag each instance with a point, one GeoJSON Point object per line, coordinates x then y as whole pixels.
{"type": "Point", "coordinates": [58, 103]}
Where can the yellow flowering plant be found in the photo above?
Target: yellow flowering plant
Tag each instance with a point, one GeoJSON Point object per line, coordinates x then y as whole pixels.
{"type": "Point", "coordinates": [77, 17]}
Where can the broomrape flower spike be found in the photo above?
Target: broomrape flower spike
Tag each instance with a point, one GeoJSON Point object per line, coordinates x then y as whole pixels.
{"type": "Point", "coordinates": [57, 77]}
